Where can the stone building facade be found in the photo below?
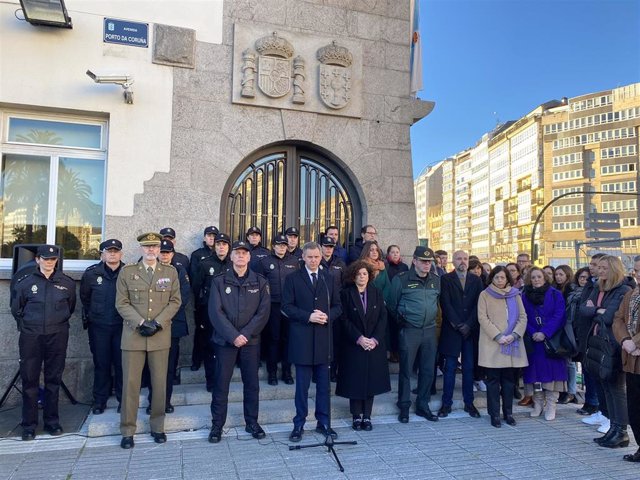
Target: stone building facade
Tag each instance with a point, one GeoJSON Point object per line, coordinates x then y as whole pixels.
{"type": "Point", "coordinates": [267, 112]}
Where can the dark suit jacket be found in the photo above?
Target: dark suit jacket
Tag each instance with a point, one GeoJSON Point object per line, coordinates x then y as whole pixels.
{"type": "Point", "coordinates": [309, 342]}
{"type": "Point", "coordinates": [458, 306]}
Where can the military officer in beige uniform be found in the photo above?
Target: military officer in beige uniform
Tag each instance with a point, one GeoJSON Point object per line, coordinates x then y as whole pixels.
{"type": "Point", "coordinates": [147, 298]}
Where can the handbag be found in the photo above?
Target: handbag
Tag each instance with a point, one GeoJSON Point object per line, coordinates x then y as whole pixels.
{"type": "Point", "coordinates": [603, 358]}
{"type": "Point", "coordinates": [529, 344]}
{"type": "Point", "coordinates": [561, 344]}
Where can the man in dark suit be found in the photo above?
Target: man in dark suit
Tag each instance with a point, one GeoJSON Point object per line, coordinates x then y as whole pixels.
{"type": "Point", "coordinates": [459, 294]}
{"type": "Point", "coordinates": [311, 301]}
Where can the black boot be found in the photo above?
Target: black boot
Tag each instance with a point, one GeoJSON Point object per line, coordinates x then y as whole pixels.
{"type": "Point", "coordinates": [606, 436]}
{"type": "Point", "coordinates": [619, 439]}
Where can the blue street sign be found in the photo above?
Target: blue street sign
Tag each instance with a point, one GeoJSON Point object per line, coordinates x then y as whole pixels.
{"type": "Point", "coordinates": [126, 33]}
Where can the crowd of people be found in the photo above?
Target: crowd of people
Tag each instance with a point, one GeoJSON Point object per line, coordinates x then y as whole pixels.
{"type": "Point", "coordinates": [340, 315]}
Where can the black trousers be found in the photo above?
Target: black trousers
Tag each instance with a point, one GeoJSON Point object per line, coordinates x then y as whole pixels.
{"type": "Point", "coordinates": [174, 353]}
{"type": "Point", "coordinates": [359, 407]}
{"type": "Point", "coordinates": [500, 384]}
{"type": "Point", "coordinates": [277, 341]}
{"type": "Point", "coordinates": [104, 342]}
{"type": "Point", "coordinates": [226, 357]}
{"type": "Point", "coordinates": [36, 350]}
{"type": "Point", "coordinates": [633, 404]}
{"type": "Point", "coordinates": [203, 351]}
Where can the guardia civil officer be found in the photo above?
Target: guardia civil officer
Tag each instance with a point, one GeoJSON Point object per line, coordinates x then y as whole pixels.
{"type": "Point", "coordinates": [207, 251]}
{"type": "Point", "coordinates": [181, 259]}
{"type": "Point", "coordinates": [275, 269]}
{"type": "Point", "coordinates": [42, 306]}
{"type": "Point", "coordinates": [239, 310]}
{"type": "Point", "coordinates": [104, 323]}
{"type": "Point", "coordinates": [258, 252]}
{"type": "Point", "coordinates": [293, 242]}
{"type": "Point", "coordinates": [207, 269]}
{"type": "Point", "coordinates": [147, 298]}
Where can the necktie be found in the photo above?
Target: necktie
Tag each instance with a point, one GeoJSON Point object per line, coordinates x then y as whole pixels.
{"type": "Point", "coordinates": [150, 272]}
{"type": "Point", "coordinates": [314, 279]}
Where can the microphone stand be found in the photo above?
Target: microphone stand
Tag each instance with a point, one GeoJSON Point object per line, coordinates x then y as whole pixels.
{"type": "Point", "coordinates": [329, 442]}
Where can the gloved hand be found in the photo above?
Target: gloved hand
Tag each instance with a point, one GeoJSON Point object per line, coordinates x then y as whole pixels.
{"type": "Point", "coordinates": [464, 330]}
{"type": "Point", "coordinates": [149, 328]}
{"type": "Point", "coordinates": [85, 321]}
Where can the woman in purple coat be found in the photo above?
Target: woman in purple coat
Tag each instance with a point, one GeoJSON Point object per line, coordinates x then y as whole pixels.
{"type": "Point", "coordinates": [545, 309]}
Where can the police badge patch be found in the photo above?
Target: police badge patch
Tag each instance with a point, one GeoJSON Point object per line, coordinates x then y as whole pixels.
{"type": "Point", "coordinates": [272, 266]}
{"type": "Point", "coordinates": [227, 290]}
{"type": "Point", "coordinates": [34, 288]}
{"type": "Point", "coordinates": [99, 280]}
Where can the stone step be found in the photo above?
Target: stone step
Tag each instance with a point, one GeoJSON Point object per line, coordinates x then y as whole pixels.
{"type": "Point", "coordinates": [192, 407]}
{"type": "Point", "coordinates": [189, 377]}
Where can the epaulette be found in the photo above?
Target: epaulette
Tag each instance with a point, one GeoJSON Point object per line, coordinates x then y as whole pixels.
{"type": "Point", "coordinates": [91, 267]}
{"type": "Point", "coordinates": [22, 278]}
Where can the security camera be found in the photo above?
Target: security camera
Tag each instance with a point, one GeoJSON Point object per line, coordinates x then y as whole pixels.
{"type": "Point", "coordinates": [125, 80]}
{"type": "Point", "coordinates": [118, 79]}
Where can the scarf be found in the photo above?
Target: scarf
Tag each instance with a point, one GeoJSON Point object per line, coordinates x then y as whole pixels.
{"type": "Point", "coordinates": [634, 308]}
{"type": "Point", "coordinates": [513, 313]}
{"type": "Point", "coordinates": [391, 262]}
{"type": "Point", "coordinates": [536, 295]}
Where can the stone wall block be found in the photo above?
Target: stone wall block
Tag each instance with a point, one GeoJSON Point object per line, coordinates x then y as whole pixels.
{"type": "Point", "coordinates": [389, 136]}
{"type": "Point", "coordinates": [195, 114]}
{"type": "Point", "coordinates": [373, 53]}
{"type": "Point", "coordinates": [175, 46]}
{"type": "Point", "coordinates": [203, 85]}
{"type": "Point", "coordinates": [397, 57]}
{"type": "Point", "coordinates": [376, 7]}
{"type": "Point", "coordinates": [258, 11]}
{"type": "Point", "coordinates": [398, 110]}
{"type": "Point", "coordinates": [397, 31]}
{"type": "Point", "coordinates": [367, 26]}
{"type": "Point", "coordinates": [374, 107]}
{"type": "Point", "coordinates": [213, 58]}
{"type": "Point", "coordinates": [298, 125]}
{"type": "Point", "coordinates": [250, 128]}
{"type": "Point", "coordinates": [317, 18]}
{"type": "Point", "coordinates": [385, 82]}
{"type": "Point", "coordinates": [399, 9]}
{"type": "Point", "coordinates": [403, 189]}
{"type": "Point", "coordinates": [381, 188]}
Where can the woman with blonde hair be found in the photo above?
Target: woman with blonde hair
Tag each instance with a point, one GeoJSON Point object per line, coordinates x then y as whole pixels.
{"type": "Point", "coordinates": [603, 303]}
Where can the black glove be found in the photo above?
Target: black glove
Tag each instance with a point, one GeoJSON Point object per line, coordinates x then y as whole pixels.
{"type": "Point", "coordinates": [149, 328]}
{"type": "Point", "coordinates": [85, 322]}
{"type": "Point", "coordinates": [464, 330]}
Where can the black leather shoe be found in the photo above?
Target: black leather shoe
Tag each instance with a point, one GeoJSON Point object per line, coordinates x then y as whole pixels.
{"type": "Point", "coordinates": [472, 410]}
{"type": "Point", "coordinates": [28, 434]}
{"type": "Point", "coordinates": [54, 430]}
{"type": "Point", "coordinates": [97, 409]}
{"type": "Point", "coordinates": [273, 379]}
{"type": "Point", "coordinates": [632, 457]}
{"type": "Point", "coordinates": [255, 430]}
{"type": "Point", "coordinates": [495, 422]}
{"type": "Point", "coordinates": [366, 424]}
{"type": "Point", "coordinates": [215, 434]}
{"type": "Point", "coordinates": [148, 410]}
{"type": "Point", "coordinates": [127, 443]}
{"type": "Point", "coordinates": [194, 367]}
{"type": "Point", "coordinates": [119, 409]}
{"type": "Point", "coordinates": [296, 434]}
{"type": "Point", "coordinates": [159, 437]}
{"type": "Point", "coordinates": [605, 437]}
{"type": "Point", "coordinates": [403, 416]}
{"type": "Point", "coordinates": [444, 411]}
{"type": "Point", "coordinates": [428, 414]}
{"type": "Point", "coordinates": [357, 423]}
{"type": "Point", "coordinates": [326, 431]}
{"type": "Point", "coordinates": [287, 379]}
{"type": "Point", "coordinates": [169, 408]}
{"type": "Point", "coordinates": [510, 420]}
{"type": "Point", "coordinates": [565, 398]}
{"type": "Point", "coordinates": [619, 439]}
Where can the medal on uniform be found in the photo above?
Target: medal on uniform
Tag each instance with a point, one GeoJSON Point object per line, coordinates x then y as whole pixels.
{"type": "Point", "coordinates": [99, 280]}
{"type": "Point", "coordinates": [227, 290]}
{"type": "Point", "coordinates": [34, 288]}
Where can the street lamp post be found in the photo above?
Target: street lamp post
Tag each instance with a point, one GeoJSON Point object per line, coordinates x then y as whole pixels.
{"type": "Point", "coordinates": [552, 201]}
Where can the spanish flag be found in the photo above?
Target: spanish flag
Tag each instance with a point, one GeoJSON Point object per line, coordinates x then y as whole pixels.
{"type": "Point", "coordinates": [416, 49]}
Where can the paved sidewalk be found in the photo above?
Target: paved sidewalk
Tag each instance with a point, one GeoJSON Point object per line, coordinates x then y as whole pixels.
{"type": "Point", "coordinates": [458, 447]}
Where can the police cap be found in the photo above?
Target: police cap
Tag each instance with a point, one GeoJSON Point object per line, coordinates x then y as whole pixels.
{"type": "Point", "coordinates": [292, 231]}
{"type": "Point", "coordinates": [48, 251]}
{"type": "Point", "coordinates": [211, 229]}
{"type": "Point", "coordinates": [223, 237]}
{"type": "Point", "coordinates": [280, 239]}
{"type": "Point", "coordinates": [167, 246]}
{"type": "Point", "coordinates": [240, 245]}
{"type": "Point", "coordinates": [111, 243]}
{"type": "Point", "coordinates": [423, 253]}
{"type": "Point", "coordinates": [254, 230]}
{"type": "Point", "coordinates": [149, 239]}
{"type": "Point", "coordinates": [168, 232]}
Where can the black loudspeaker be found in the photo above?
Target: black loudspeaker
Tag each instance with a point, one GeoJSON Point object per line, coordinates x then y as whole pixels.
{"type": "Point", "coordinates": [24, 256]}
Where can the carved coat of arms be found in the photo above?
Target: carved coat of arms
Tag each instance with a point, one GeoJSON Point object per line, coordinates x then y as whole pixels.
{"type": "Point", "coordinates": [335, 75]}
{"type": "Point", "coordinates": [274, 65]}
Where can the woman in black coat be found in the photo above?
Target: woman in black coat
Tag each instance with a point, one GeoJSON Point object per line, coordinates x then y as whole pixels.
{"type": "Point", "coordinates": [364, 371]}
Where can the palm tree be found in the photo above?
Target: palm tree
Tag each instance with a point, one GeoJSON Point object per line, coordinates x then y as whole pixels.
{"type": "Point", "coordinates": [40, 136]}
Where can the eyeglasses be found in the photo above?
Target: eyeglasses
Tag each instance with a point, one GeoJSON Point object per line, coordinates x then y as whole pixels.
{"type": "Point", "coordinates": [371, 233]}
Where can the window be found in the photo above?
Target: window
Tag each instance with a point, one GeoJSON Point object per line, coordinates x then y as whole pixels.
{"type": "Point", "coordinates": [52, 184]}
{"type": "Point", "coordinates": [286, 186]}
{"type": "Point", "coordinates": [619, 168]}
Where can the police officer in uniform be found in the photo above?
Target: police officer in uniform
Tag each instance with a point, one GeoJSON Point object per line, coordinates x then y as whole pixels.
{"type": "Point", "coordinates": [179, 327]}
{"type": "Point", "coordinates": [293, 241]}
{"type": "Point", "coordinates": [42, 306]}
{"type": "Point", "coordinates": [147, 298]}
{"type": "Point", "coordinates": [239, 310]}
{"type": "Point", "coordinates": [100, 317]}
{"type": "Point", "coordinates": [181, 259]}
{"type": "Point", "coordinates": [275, 269]}
{"type": "Point", "coordinates": [258, 252]}
{"type": "Point", "coordinates": [207, 249]}
{"type": "Point", "coordinates": [207, 269]}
